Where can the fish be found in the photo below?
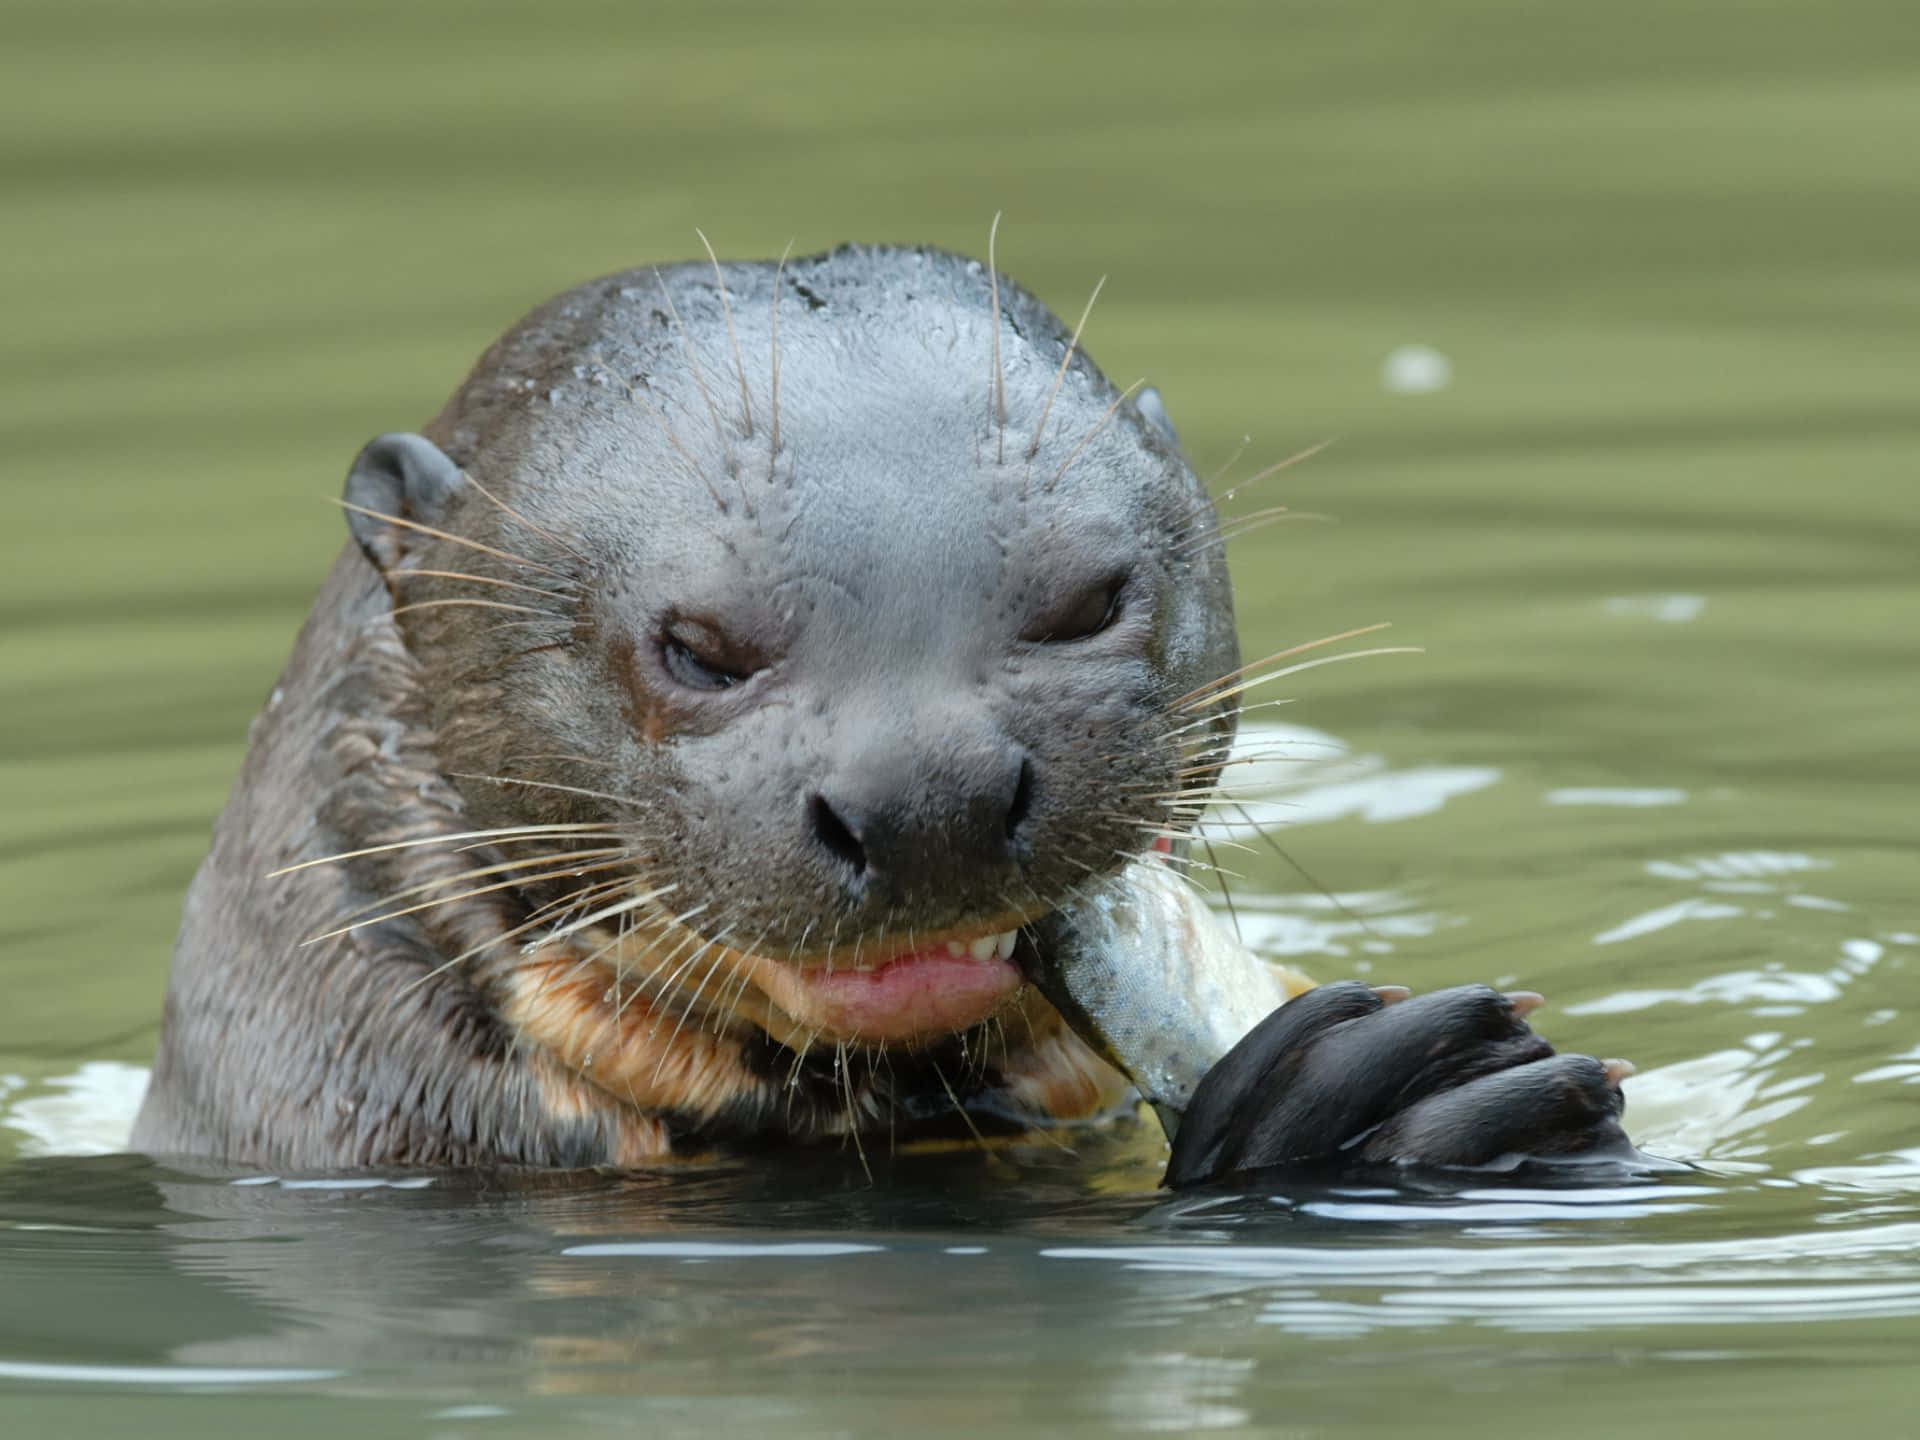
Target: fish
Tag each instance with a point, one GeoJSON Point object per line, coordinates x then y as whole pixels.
{"type": "Point", "coordinates": [1243, 1078]}
{"type": "Point", "coordinates": [1144, 971]}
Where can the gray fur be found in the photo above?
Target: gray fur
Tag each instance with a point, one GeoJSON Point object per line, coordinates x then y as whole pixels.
{"type": "Point", "coordinates": [885, 561]}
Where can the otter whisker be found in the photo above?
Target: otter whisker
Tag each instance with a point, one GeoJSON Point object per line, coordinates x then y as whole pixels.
{"type": "Point", "coordinates": [746, 951]}
{"type": "Point", "coordinates": [1295, 669]}
{"type": "Point", "coordinates": [1206, 692]}
{"type": "Point", "coordinates": [541, 923]}
{"type": "Point", "coordinates": [693, 360]}
{"type": "Point", "coordinates": [656, 1014]}
{"type": "Point", "coordinates": [976, 1056]}
{"type": "Point", "coordinates": [548, 623]}
{"type": "Point", "coordinates": [644, 984]}
{"type": "Point", "coordinates": [574, 901]}
{"type": "Point", "coordinates": [773, 441]}
{"type": "Point", "coordinates": [1079, 864]}
{"type": "Point", "coordinates": [1226, 893]}
{"type": "Point", "coordinates": [1181, 792]}
{"type": "Point", "coordinates": [667, 1050]}
{"type": "Point", "coordinates": [1236, 526]}
{"type": "Point", "coordinates": [563, 860]}
{"type": "Point", "coordinates": [659, 417]}
{"type": "Point", "coordinates": [998, 1030]}
{"type": "Point", "coordinates": [621, 932]}
{"type": "Point", "coordinates": [1298, 457]}
{"type": "Point", "coordinates": [505, 937]}
{"type": "Point", "coordinates": [481, 580]}
{"type": "Point", "coordinates": [451, 539]}
{"type": "Point", "coordinates": [959, 1109]}
{"type": "Point", "coordinates": [1060, 375]}
{"type": "Point", "coordinates": [799, 1059]}
{"type": "Point", "coordinates": [1212, 717]}
{"type": "Point", "coordinates": [726, 1005]}
{"type": "Point", "coordinates": [607, 835]}
{"type": "Point", "coordinates": [1214, 479]}
{"type": "Point", "coordinates": [633, 902]}
{"type": "Point", "coordinates": [509, 832]}
{"type": "Point", "coordinates": [673, 439]}
{"type": "Point", "coordinates": [844, 1070]}
{"type": "Point", "coordinates": [1186, 805]}
{"type": "Point", "coordinates": [742, 983]}
{"type": "Point", "coordinates": [532, 525]}
{"type": "Point", "coordinates": [1209, 764]}
{"type": "Point", "coordinates": [468, 603]}
{"type": "Point", "coordinates": [548, 979]}
{"type": "Point", "coordinates": [1190, 864]}
{"type": "Point", "coordinates": [690, 1002]}
{"type": "Point", "coordinates": [543, 785]}
{"type": "Point", "coordinates": [881, 1057]}
{"type": "Point", "coordinates": [800, 945]}
{"type": "Point", "coordinates": [726, 307]}
{"type": "Point", "coordinates": [699, 948]}
{"type": "Point", "coordinates": [1222, 523]}
{"type": "Point", "coordinates": [687, 940]}
{"type": "Point", "coordinates": [593, 957]}
{"type": "Point", "coordinates": [1094, 429]}
{"type": "Point", "coordinates": [1298, 868]}
{"type": "Point", "coordinates": [663, 988]}
{"type": "Point", "coordinates": [500, 665]}
{"type": "Point", "coordinates": [1145, 825]}
{"type": "Point", "coordinates": [997, 394]}
{"type": "Point", "coordinates": [1211, 863]}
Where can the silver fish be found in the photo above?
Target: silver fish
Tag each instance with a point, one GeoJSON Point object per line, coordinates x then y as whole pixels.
{"type": "Point", "coordinates": [1144, 971]}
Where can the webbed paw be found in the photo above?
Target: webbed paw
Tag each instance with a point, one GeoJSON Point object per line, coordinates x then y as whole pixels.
{"type": "Point", "coordinates": [1349, 1074]}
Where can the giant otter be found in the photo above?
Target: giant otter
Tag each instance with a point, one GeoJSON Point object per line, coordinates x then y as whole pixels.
{"type": "Point", "coordinates": [721, 712]}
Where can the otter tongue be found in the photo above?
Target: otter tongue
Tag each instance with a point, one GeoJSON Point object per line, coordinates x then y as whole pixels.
{"type": "Point", "coordinates": [925, 992]}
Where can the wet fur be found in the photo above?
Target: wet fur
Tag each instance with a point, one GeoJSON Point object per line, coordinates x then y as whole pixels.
{"type": "Point", "coordinates": [437, 689]}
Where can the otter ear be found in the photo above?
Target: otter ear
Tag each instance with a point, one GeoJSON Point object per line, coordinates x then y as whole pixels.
{"type": "Point", "coordinates": [398, 477]}
{"type": "Point", "coordinates": [1154, 412]}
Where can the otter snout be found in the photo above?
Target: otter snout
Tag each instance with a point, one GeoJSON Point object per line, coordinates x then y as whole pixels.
{"type": "Point", "coordinates": [894, 823]}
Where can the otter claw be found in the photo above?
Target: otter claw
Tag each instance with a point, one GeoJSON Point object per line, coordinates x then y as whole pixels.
{"type": "Point", "coordinates": [1372, 1074]}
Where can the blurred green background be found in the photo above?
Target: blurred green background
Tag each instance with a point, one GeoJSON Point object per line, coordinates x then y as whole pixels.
{"type": "Point", "coordinates": [1657, 533]}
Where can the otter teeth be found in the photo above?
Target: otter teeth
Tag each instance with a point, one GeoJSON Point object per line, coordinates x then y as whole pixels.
{"type": "Point", "coordinates": [986, 946]}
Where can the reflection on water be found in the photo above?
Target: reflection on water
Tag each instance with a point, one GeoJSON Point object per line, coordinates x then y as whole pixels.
{"type": "Point", "coordinates": [193, 1377]}
{"type": "Point", "coordinates": [87, 1112]}
{"type": "Point", "coordinates": [952, 1294]}
{"type": "Point", "coordinates": [1288, 775]}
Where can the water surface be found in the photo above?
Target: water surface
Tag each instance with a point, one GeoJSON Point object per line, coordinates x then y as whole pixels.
{"type": "Point", "coordinates": [1613, 316]}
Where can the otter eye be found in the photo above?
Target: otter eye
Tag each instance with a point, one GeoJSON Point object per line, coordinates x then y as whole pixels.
{"type": "Point", "coordinates": [700, 658]}
{"type": "Point", "coordinates": [1085, 614]}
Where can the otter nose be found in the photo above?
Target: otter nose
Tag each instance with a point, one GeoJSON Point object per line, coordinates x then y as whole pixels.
{"type": "Point", "coordinates": [889, 827]}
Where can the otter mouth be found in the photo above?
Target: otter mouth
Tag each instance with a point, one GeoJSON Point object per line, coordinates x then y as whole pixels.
{"type": "Point", "coordinates": [906, 995]}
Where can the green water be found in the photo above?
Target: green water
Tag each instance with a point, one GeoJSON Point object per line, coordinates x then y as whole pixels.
{"type": "Point", "coordinates": [1656, 535]}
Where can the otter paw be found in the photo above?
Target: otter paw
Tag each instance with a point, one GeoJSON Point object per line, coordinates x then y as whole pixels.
{"type": "Point", "coordinates": [1349, 1074]}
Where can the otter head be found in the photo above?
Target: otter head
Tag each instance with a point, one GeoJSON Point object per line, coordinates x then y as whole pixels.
{"type": "Point", "coordinates": [844, 606]}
